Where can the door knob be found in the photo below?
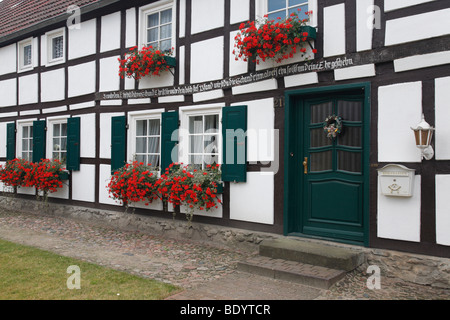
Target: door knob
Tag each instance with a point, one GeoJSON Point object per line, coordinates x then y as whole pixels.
{"type": "Point", "coordinates": [305, 165]}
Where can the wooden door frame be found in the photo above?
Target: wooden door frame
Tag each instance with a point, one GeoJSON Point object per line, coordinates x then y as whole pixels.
{"type": "Point", "coordinates": [292, 163]}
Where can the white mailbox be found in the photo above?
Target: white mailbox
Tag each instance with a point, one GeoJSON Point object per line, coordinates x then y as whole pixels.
{"type": "Point", "coordinates": [396, 180]}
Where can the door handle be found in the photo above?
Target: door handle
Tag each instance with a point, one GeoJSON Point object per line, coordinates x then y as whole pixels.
{"type": "Point", "coordinates": [305, 165]}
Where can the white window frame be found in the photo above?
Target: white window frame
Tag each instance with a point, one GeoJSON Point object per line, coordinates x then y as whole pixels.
{"type": "Point", "coordinates": [20, 125]}
{"type": "Point", "coordinates": [154, 8]}
{"type": "Point", "coordinates": [184, 141]}
{"type": "Point", "coordinates": [21, 67]}
{"type": "Point", "coordinates": [262, 8]}
{"type": "Point", "coordinates": [49, 36]}
{"type": "Point", "coordinates": [50, 122]}
{"type": "Point", "coordinates": [133, 117]}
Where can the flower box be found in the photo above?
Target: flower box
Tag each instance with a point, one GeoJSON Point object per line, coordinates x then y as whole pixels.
{"type": "Point", "coordinates": [312, 33]}
{"type": "Point", "coordinates": [219, 187]}
{"type": "Point", "coordinates": [63, 175]}
{"type": "Point", "coordinates": [171, 61]}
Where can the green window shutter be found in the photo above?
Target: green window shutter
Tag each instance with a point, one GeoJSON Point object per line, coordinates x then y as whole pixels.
{"type": "Point", "coordinates": [234, 133]}
{"type": "Point", "coordinates": [169, 149]}
{"type": "Point", "coordinates": [38, 140]}
{"type": "Point", "coordinates": [73, 144]}
{"type": "Point", "coordinates": [118, 145]}
{"type": "Point", "coordinates": [10, 141]}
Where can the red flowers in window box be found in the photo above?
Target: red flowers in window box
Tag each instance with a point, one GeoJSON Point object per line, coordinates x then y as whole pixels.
{"type": "Point", "coordinates": [272, 39]}
{"type": "Point", "coordinates": [147, 61]}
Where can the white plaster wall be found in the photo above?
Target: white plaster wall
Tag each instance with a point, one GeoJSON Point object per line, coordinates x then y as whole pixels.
{"type": "Point", "coordinates": [62, 193]}
{"type": "Point", "coordinates": [261, 137]}
{"type": "Point", "coordinates": [422, 26]}
{"type": "Point", "coordinates": [362, 71]}
{"type": "Point", "coordinates": [236, 66]}
{"type": "Point", "coordinates": [240, 11]}
{"type": "Point", "coordinates": [110, 32]}
{"type": "Point", "coordinates": [28, 89]}
{"type": "Point", "coordinates": [182, 19]}
{"type": "Point", "coordinates": [109, 74]}
{"type": "Point", "coordinates": [8, 93]}
{"type": "Point", "coordinates": [182, 62]}
{"type": "Point", "coordinates": [253, 200]}
{"type": "Point", "coordinates": [130, 29]}
{"type": "Point", "coordinates": [81, 79]}
{"type": "Point", "coordinates": [207, 60]}
{"type": "Point", "coordinates": [265, 85]}
{"type": "Point", "coordinates": [390, 5]}
{"type": "Point", "coordinates": [165, 79]}
{"type": "Point", "coordinates": [422, 61]}
{"type": "Point", "coordinates": [82, 41]}
{"type": "Point", "coordinates": [52, 85]}
{"type": "Point", "coordinates": [364, 24]}
{"type": "Point", "coordinates": [26, 190]}
{"type": "Point", "coordinates": [3, 139]}
{"type": "Point", "coordinates": [105, 134]}
{"type": "Point", "coordinates": [83, 183]}
{"type": "Point", "coordinates": [207, 15]}
{"type": "Point", "coordinates": [301, 79]}
{"type": "Point", "coordinates": [442, 114]}
{"type": "Point", "coordinates": [87, 135]}
{"type": "Point", "coordinates": [8, 56]}
{"type": "Point", "coordinates": [334, 30]}
{"type": "Point", "coordinates": [442, 210]}
{"type": "Point", "coordinates": [399, 109]}
{"type": "Point", "coordinates": [399, 217]}
{"type": "Point", "coordinates": [105, 177]}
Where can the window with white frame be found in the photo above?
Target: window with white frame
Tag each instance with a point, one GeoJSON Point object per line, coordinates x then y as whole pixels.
{"type": "Point", "coordinates": [158, 26]}
{"type": "Point", "coordinates": [202, 130]}
{"type": "Point", "coordinates": [25, 55]}
{"type": "Point", "coordinates": [59, 140]}
{"type": "Point", "coordinates": [145, 138]}
{"type": "Point", "coordinates": [25, 141]}
{"type": "Point", "coordinates": [55, 46]}
{"type": "Point", "coordinates": [283, 8]}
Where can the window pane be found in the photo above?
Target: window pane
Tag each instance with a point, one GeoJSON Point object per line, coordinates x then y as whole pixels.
{"type": "Point", "coordinates": [25, 132]}
{"type": "Point", "coordinates": [350, 136]}
{"type": "Point", "coordinates": [55, 155]}
{"type": "Point", "coordinates": [350, 110]}
{"type": "Point", "coordinates": [276, 4]}
{"type": "Point", "coordinates": [295, 2]}
{"type": "Point", "coordinates": [154, 127]}
{"type": "Point", "coordinates": [141, 128]}
{"type": "Point", "coordinates": [153, 145]}
{"type": "Point", "coordinates": [196, 161]}
{"type": "Point", "coordinates": [25, 145]}
{"type": "Point", "coordinates": [212, 123]}
{"type": "Point", "coordinates": [276, 15]}
{"type": "Point", "coordinates": [152, 20]}
{"type": "Point", "coordinates": [319, 112]}
{"type": "Point", "coordinates": [196, 124]}
{"type": "Point", "coordinates": [166, 31]}
{"type": "Point", "coordinates": [349, 161]}
{"type": "Point", "coordinates": [141, 145]}
{"type": "Point", "coordinates": [64, 129]}
{"type": "Point", "coordinates": [153, 160]}
{"type": "Point", "coordinates": [166, 16]}
{"type": "Point", "coordinates": [211, 159]}
{"type": "Point", "coordinates": [211, 144]}
{"type": "Point", "coordinates": [319, 138]}
{"type": "Point", "coordinates": [196, 144]}
{"type": "Point", "coordinates": [63, 143]}
{"type": "Point", "coordinates": [165, 45]}
{"type": "Point", "coordinates": [152, 35]}
{"type": "Point", "coordinates": [27, 55]}
{"type": "Point", "coordinates": [56, 144]}
{"type": "Point", "coordinates": [57, 45]}
{"type": "Point", "coordinates": [56, 130]}
{"type": "Point", "coordinates": [321, 161]}
{"type": "Point", "coordinates": [302, 13]}
{"type": "Point", "coordinates": [141, 158]}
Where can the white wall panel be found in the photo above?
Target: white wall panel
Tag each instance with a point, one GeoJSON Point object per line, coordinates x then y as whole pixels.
{"type": "Point", "coordinates": [399, 217]}
{"type": "Point", "coordinates": [301, 79]}
{"type": "Point", "coordinates": [130, 33]}
{"type": "Point", "coordinates": [390, 5]}
{"type": "Point", "coordinates": [207, 60]}
{"type": "Point", "coordinates": [83, 187]}
{"type": "Point", "coordinates": [8, 93]}
{"type": "Point", "coordinates": [240, 11]}
{"type": "Point", "coordinates": [87, 135]}
{"type": "Point", "coordinates": [364, 24]}
{"type": "Point", "coordinates": [82, 41]}
{"type": "Point", "coordinates": [334, 30]}
{"type": "Point", "coordinates": [422, 61]}
{"type": "Point", "coordinates": [362, 71]}
{"type": "Point", "coordinates": [259, 86]}
{"type": "Point", "coordinates": [236, 66]}
{"type": "Point", "coordinates": [28, 89]}
{"type": "Point", "coordinates": [422, 26]}
{"type": "Point", "coordinates": [110, 32]}
{"type": "Point", "coordinates": [81, 79]}
{"type": "Point", "coordinates": [109, 74]}
{"type": "Point", "coordinates": [105, 176]}
{"type": "Point", "coordinates": [105, 134]}
{"type": "Point", "coordinates": [53, 85]}
{"type": "Point", "coordinates": [399, 109]}
{"type": "Point", "coordinates": [442, 210]}
{"type": "Point", "coordinates": [207, 15]}
{"type": "Point", "coordinates": [3, 139]}
{"type": "Point", "coordinates": [442, 116]}
{"type": "Point", "coordinates": [182, 19]}
{"type": "Point", "coordinates": [253, 201]}
{"type": "Point", "coordinates": [8, 64]}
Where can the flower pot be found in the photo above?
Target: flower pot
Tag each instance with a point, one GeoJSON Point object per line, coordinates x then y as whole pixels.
{"type": "Point", "coordinates": [311, 32]}
{"type": "Point", "coordinates": [171, 61]}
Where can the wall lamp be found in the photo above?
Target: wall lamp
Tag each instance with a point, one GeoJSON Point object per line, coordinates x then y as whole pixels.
{"type": "Point", "coordinates": [423, 133]}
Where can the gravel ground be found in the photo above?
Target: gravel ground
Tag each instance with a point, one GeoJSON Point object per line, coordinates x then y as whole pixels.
{"type": "Point", "coordinates": [187, 264]}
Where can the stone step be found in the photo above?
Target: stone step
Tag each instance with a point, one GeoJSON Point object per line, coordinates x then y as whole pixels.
{"type": "Point", "coordinates": [306, 274]}
{"type": "Point", "coordinates": [312, 253]}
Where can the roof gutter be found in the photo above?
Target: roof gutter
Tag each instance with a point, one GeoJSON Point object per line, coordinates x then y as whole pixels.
{"type": "Point", "coordinates": [55, 20]}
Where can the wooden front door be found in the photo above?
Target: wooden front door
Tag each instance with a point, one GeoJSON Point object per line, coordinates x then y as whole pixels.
{"type": "Point", "coordinates": [333, 170]}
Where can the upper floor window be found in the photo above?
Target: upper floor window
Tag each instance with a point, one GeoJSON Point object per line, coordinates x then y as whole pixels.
{"type": "Point", "coordinates": [55, 47]}
{"type": "Point", "coordinates": [25, 55]}
{"type": "Point", "coordinates": [283, 8]}
{"type": "Point", "coordinates": [158, 26]}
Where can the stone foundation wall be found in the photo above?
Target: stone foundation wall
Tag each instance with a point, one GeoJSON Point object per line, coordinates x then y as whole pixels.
{"type": "Point", "coordinates": [420, 269]}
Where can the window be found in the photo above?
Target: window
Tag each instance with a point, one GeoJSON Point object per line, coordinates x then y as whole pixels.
{"type": "Point", "coordinates": [55, 47]}
{"type": "Point", "coordinates": [148, 136]}
{"type": "Point", "coordinates": [202, 137]}
{"type": "Point", "coordinates": [158, 27]}
{"type": "Point", "coordinates": [283, 8]}
{"type": "Point", "coordinates": [26, 141]}
{"type": "Point", "coordinates": [59, 141]}
{"type": "Point", "coordinates": [25, 55]}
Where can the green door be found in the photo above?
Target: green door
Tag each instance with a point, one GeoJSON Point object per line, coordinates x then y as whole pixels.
{"type": "Point", "coordinates": [333, 169]}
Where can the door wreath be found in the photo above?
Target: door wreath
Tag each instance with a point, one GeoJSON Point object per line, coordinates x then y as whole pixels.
{"type": "Point", "coordinates": [333, 126]}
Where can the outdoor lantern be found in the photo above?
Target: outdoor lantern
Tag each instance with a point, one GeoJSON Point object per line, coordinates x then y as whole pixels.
{"type": "Point", "coordinates": [423, 133]}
